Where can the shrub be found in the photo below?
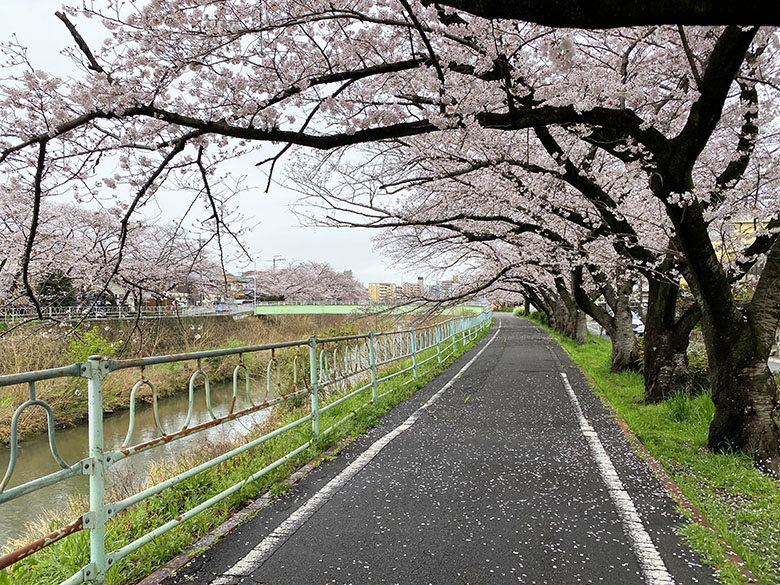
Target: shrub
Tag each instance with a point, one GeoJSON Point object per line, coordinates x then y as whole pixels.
{"type": "Point", "coordinates": [90, 343]}
{"type": "Point", "coordinates": [538, 316]}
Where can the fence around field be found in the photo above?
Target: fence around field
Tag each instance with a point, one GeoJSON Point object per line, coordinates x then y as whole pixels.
{"type": "Point", "coordinates": [330, 371]}
{"type": "Point", "coordinates": [14, 315]}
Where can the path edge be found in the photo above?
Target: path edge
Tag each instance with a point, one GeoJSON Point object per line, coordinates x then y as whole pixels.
{"type": "Point", "coordinates": [659, 472]}
{"type": "Point", "coordinates": [239, 517]}
{"type": "Point", "coordinates": [236, 519]}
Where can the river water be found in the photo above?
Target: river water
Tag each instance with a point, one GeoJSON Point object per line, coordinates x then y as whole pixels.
{"type": "Point", "coordinates": [35, 460]}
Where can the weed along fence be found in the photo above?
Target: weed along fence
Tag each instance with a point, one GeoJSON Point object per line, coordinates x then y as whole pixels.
{"type": "Point", "coordinates": [339, 375]}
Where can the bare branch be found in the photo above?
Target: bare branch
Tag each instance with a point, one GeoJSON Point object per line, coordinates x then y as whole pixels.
{"type": "Point", "coordinates": [82, 44]}
{"type": "Point", "coordinates": [36, 211]}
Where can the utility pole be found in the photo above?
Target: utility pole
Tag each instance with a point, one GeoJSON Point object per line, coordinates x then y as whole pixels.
{"type": "Point", "coordinates": [254, 295]}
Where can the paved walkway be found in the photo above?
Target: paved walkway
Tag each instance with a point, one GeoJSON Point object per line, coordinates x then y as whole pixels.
{"type": "Point", "coordinates": [511, 473]}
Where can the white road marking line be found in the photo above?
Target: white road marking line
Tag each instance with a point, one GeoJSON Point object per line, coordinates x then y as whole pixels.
{"type": "Point", "coordinates": [270, 543]}
{"type": "Point", "coordinates": [650, 562]}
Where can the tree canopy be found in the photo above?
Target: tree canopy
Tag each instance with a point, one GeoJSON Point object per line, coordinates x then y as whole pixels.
{"type": "Point", "coordinates": [540, 149]}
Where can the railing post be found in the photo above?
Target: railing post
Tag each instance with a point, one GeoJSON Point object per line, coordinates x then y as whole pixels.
{"type": "Point", "coordinates": [463, 330]}
{"type": "Point", "coordinates": [97, 517]}
{"type": "Point", "coordinates": [314, 381]}
{"type": "Point", "coordinates": [372, 357]}
{"type": "Point", "coordinates": [414, 351]}
{"type": "Point", "coordinates": [437, 335]}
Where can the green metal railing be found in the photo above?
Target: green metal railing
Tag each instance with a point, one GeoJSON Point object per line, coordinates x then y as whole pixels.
{"type": "Point", "coordinates": [331, 370]}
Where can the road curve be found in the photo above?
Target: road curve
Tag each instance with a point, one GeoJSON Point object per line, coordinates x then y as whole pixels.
{"type": "Point", "coordinates": [510, 472]}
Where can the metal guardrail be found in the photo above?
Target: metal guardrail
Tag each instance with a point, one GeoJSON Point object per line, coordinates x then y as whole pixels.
{"type": "Point", "coordinates": [14, 314]}
{"type": "Point", "coordinates": [325, 369]}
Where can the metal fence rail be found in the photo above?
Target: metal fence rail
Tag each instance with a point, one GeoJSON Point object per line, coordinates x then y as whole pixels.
{"type": "Point", "coordinates": [329, 370]}
{"type": "Point", "coordinates": [13, 315]}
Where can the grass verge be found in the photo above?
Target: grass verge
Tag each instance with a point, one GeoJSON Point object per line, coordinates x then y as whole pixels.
{"type": "Point", "coordinates": [62, 559]}
{"type": "Point", "coordinates": [741, 503]}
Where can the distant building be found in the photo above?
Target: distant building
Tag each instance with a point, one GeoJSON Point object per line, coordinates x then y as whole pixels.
{"type": "Point", "coordinates": [414, 290]}
{"type": "Point", "coordinates": [381, 291]}
{"type": "Point", "coordinates": [449, 287]}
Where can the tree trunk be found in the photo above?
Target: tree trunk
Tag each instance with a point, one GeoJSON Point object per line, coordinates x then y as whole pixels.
{"type": "Point", "coordinates": [666, 338]}
{"type": "Point", "coordinates": [580, 333]}
{"type": "Point", "coordinates": [575, 323]}
{"type": "Point", "coordinates": [743, 387]}
{"type": "Point", "coordinates": [745, 397]}
{"type": "Point", "coordinates": [738, 344]}
{"type": "Point", "coordinates": [625, 353]}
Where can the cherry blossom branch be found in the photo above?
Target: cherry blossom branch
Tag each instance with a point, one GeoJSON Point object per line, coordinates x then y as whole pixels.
{"type": "Point", "coordinates": [689, 56]}
{"type": "Point", "coordinates": [36, 211]}
{"type": "Point", "coordinates": [215, 214]}
{"type": "Point", "coordinates": [723, 65]}
{"type": "Point", "coordinates": [82, 45]}
{"type": "Point", "coordinates": [123, 230]}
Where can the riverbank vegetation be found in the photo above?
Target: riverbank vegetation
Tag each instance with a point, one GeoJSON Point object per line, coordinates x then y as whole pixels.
{"type": "Point", "coordinates": [42, 346]}
{"type": "Point", "coordinates": [740, 502]}
{"type": "Point", "coordinates": [60, 560]}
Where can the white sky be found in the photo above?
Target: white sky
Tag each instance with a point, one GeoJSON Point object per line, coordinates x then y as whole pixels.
{"type": "Point", "coordinates": [279, 232]}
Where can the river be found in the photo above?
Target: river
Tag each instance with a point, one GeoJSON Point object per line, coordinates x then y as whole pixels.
{"type": "Point", "coordinates": [35, 460]}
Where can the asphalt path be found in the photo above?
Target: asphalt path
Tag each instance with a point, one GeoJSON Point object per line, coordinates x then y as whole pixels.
{"type": "Point", "coordinates": [511, 471]}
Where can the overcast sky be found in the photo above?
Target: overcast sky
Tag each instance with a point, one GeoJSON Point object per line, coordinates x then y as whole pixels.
{"type": "Point", "coordinates": [278, 233]}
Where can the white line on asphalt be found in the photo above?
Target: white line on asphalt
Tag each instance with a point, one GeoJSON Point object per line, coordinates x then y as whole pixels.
{"type": "Point", "coordinates": [650, 561]}
{"type": "Point", "coordinates": [270, 543]}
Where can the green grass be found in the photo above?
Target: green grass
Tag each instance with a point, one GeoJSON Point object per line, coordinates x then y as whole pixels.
{"type": "Point", "coordinates": [62, 559]}
{"type": "Point", "coordinates": [741, 503]}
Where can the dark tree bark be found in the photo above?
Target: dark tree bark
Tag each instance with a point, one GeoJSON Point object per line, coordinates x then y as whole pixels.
{"type": "Point", "coordinates": [596, 14]}
{"type": "Point", "coordinates": [625, 352]}
{"type": "Point", "coordinates": [540, 302]}
{"type": "Point", "coordinates": [563, 314]}
{"type": "Point", "coordinates": [666, 337]}
{"type": "Point", "coordinates": [738, 342]}
{"type": "Point", "coordinates": [738, 346]}
{"type": "Point", "coordinates": [573, 322]}
{"type": "Point", "coordinates": [738, 339]}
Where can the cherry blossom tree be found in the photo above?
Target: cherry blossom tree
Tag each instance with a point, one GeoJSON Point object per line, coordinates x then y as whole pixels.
{"type": "Point", "coordinates": [311, 281]}
{"type": "Point", "coordinates": [179, 87]}
{"type": "Point", "coordinates": [82, 245]}
{"type": "Point", "coordinates": [691, 216]}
